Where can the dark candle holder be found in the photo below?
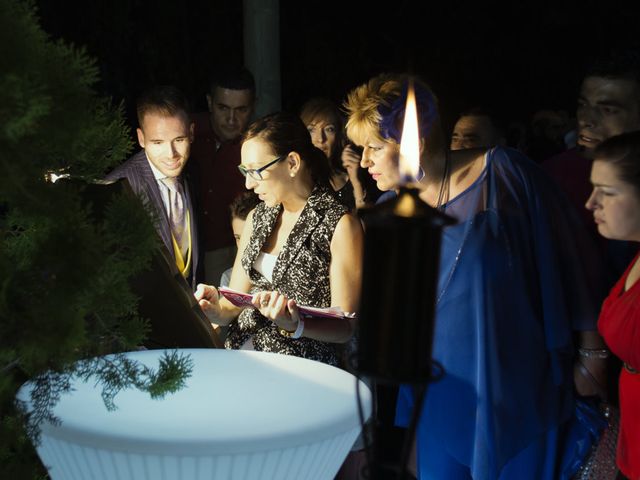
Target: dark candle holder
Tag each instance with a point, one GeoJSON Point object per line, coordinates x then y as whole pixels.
{"type": "Point", "coordinates": [399, 279]}
{"type": "Point", "coordinates": [396, 315]}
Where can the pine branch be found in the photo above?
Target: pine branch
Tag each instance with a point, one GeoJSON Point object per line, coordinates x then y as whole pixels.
{"type": "Point", "coordinates": [66, 261]}
{"type": "Point", "coordinates": [9, 366]}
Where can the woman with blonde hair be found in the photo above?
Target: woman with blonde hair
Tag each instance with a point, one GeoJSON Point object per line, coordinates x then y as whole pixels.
{"type": "Point", "coordinates": [511, 291]}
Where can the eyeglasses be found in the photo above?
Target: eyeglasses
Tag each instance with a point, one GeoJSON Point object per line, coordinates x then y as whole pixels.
{"type": "Point", "coordinates": [256, 173]}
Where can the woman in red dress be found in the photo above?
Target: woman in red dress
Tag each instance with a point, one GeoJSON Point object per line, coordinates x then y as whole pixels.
{"type": "Point", "coordinates": [615, 202]}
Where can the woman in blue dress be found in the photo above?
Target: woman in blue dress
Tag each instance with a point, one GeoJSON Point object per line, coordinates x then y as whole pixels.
{"type": "Point", "coordinates": [512, 298]}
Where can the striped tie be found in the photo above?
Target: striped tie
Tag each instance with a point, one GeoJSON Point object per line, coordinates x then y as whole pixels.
{"type": "Point", "coordinates": [177, 213]}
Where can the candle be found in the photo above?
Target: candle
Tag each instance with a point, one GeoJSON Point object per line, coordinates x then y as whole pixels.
{"type": "Point", "coordinates": [400, 270]}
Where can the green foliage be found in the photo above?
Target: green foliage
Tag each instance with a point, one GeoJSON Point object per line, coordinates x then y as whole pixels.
{"type": "Point", "coordinates": [115, 373]}
{"type": "Point", "coordinates": [67, 250]}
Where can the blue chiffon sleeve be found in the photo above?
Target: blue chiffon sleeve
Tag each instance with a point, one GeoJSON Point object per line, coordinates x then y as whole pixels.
{"type": "Point", "coordinates": [511, 291]}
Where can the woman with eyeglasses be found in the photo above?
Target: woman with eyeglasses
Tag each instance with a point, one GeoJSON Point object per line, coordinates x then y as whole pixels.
{"type": "Point", "coordinates": [299, 246]}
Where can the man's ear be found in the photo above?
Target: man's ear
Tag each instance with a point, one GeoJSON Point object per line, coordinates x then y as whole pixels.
{"type": "Point", "coordinates": [140, 137]}
{"type": "Point", "coordinates": [209, 102]}
{"type": "Point", "coordinates": [192, 130]}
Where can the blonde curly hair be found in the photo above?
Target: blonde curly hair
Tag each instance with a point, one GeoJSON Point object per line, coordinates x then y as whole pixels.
{"type": "Point", "coordinates": [362, 106]}
{"type": "Point", "coordinates": [365, 102]}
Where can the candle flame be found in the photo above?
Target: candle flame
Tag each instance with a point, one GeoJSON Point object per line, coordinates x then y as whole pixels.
{"type": "Point", "coordinates": [53, 177]}
{"type": "Point", "coordinates": [410, 141]}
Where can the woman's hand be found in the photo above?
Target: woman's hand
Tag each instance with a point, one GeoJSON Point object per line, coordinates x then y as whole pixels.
{"type": "Point", "coordinates": [209, 300]}
{"type": "Point", "coordinates": [351, 162]}
{"type": "Point", "coordinates": [590, 367]}
{"type": "Point", "coordinates": [590, 377]}
{"type": "Point", "coordinates": [277, 308]}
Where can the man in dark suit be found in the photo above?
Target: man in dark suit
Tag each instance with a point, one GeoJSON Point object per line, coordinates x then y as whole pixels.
{"type": "Point", "coordinates": [155, 174]}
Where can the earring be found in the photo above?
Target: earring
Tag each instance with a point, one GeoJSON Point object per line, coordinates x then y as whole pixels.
{"type": "Point", "coordinates": [292, 174]}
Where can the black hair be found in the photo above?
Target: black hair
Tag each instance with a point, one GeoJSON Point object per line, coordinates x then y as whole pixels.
{"type": "Point", "coordinates": [232, 77]}
{"type": "Point", "coordinates": [617, 63]}
{"type": "Point", "coordinates": [482, 111]}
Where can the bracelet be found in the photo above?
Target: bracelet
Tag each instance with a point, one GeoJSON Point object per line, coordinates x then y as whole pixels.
{"type": "Point", "coordinates": [295, 334]}
{"type": "Point", "coordinates": [600, 353]}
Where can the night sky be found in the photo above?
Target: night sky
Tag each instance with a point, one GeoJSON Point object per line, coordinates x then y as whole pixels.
{"type": "Point", "coordinates": [512, 57]}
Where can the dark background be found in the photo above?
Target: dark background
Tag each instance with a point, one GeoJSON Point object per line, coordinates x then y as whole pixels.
{"type": "Point", "coordinates": [513, 57]}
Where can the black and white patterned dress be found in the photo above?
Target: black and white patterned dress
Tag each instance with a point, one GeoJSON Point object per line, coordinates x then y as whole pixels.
{"type": "Point", "coordinates": [301, 273]}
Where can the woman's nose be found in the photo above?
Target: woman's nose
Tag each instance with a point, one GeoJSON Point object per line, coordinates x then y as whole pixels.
{"type": "Point", "coordinates": [249, 182]}
{"type": "Point", "coordinates": [318, 137]}
{"type": "Point", "coordinates": [365, 161]}
{"type": "Point", "coordinates": [591, 201]}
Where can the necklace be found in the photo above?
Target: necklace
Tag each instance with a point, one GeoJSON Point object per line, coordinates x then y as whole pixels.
{"type": "Point", "coordinates": [445, 182]}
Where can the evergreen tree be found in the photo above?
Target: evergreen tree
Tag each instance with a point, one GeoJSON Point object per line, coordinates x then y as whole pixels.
{"type": "Point", "coordinates": [65, 265]}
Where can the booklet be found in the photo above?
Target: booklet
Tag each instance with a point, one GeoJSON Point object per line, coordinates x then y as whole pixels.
{"type": "Point", "coordinates": [241, 299]}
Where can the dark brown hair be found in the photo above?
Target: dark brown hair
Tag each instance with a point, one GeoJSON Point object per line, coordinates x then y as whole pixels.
{"type": "Point", "coordinates": [243, 204]}
{"type": "Point", "coordinates": [324, 108]}
{"type": "Point", "coordinates": [623, 152]}
{"type": "Point", "coordinates": [165, 100]}
{"type": "Point", "coordinates": [285, 133]}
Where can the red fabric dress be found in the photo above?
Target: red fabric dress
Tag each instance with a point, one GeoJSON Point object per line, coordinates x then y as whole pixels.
{"type": "Point", "coordinates": [619, 324]}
